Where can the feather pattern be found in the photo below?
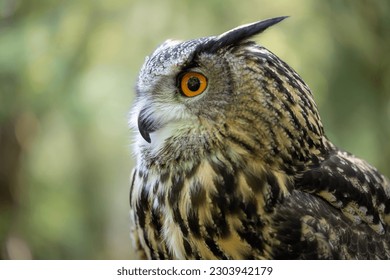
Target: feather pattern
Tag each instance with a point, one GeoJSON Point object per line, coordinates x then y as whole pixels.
{"type": "Point", "coordinates": [244, 170]}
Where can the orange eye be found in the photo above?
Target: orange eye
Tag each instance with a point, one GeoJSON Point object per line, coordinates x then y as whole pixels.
{"type": "Point", "coordinates": [193, 84]}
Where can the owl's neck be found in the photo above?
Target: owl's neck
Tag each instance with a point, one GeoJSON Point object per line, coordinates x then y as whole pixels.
{"type": "Point", "coordinates": [177, 146]}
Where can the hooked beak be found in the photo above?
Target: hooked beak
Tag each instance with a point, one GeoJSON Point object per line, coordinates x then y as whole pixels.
{"type": "Point", "coordinates": [147, 124]}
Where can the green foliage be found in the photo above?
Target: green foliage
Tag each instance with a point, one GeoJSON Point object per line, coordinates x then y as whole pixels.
{"type": "Point", "coordinates": [67, 73]}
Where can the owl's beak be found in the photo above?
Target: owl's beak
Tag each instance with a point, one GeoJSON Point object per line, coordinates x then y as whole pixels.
{"type": "Point", "coordinates": [146, 124]}
{"type": "Point", "coordinates": [144, 133]}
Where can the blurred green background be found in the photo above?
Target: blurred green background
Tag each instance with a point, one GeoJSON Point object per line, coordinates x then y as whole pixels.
{"type": "Point", "coordinates": [67, 76]}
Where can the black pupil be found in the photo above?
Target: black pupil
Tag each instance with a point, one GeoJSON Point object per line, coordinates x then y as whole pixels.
{"type": "Point", "coordinates": [193, 84]}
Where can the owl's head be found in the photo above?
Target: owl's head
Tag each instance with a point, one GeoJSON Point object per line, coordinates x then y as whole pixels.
{"type": "Point", "coordinates": [226, 92]}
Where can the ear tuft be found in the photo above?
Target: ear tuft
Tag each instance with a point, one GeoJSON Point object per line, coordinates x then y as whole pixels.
{"type": "Point", "coordinates": [238, 34]}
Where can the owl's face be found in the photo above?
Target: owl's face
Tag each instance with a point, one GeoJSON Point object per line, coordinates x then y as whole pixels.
{"type": "Point", "coordinates": [198, 94]}
{"type": "Point", "coordinates": [177, 87]}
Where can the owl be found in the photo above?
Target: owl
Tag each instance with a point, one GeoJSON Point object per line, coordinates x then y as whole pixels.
{"type": "Point", "coordinates": [232, 161]}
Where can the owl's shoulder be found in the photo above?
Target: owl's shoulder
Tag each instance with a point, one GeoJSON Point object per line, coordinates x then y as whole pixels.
{"type": "Point", "coordinates": [352, 186]}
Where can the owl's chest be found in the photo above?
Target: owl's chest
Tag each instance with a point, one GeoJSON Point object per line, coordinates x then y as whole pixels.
{"type": "Point", "coordinates": [202, 216]}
